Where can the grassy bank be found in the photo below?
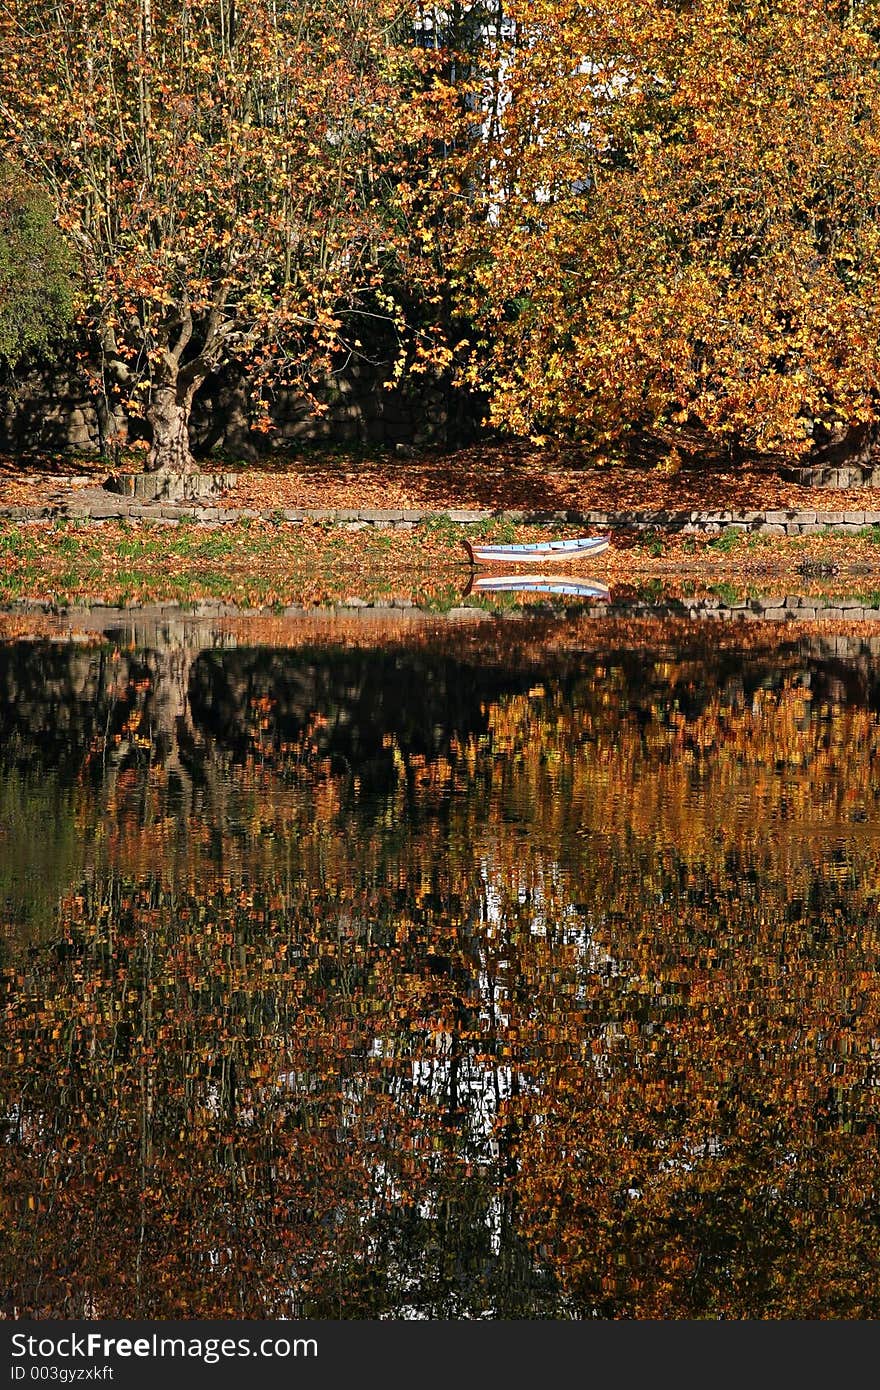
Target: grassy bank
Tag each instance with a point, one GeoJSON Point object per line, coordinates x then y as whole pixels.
{"type": "Point", "coordinates": [269, 563]}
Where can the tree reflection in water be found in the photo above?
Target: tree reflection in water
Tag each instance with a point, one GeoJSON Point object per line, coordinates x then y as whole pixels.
{"type": "Point", "coordinates": [453, 975]}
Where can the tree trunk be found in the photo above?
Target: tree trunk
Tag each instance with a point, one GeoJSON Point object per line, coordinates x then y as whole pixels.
{"type": "Point", "coordinates": [168, 418]}
{"type": "Point", "coordinates": [843, 456]}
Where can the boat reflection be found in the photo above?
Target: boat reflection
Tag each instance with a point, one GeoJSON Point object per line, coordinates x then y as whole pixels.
{"type": "Point", "coordinates": [537, 584]}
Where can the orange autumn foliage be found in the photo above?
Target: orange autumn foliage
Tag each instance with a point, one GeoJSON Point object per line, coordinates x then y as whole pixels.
{"type": "Point", "coordinates": [675, 221]}
{"type": "Point", "coordinates": [224, 170]}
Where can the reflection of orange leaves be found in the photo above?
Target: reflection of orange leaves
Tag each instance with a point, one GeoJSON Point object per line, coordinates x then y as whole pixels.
{"type": "Point", "coordinates": [232, 1054]}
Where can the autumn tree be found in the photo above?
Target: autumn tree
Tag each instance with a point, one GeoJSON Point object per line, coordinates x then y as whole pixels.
{"type": "Point", "coordinates": [36, 271]}
{"type": "Point", "coordinates": [676, 220]}
{"type": "Point", "coordinates": [219, 166]}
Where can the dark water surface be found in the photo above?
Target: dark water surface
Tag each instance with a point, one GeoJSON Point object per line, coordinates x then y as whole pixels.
{"type": "Point", "coordinates": [440, 968]}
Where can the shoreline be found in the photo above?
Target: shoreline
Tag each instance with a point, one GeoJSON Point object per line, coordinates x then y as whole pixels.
{"type": "Point", "coordinates": [392, 531]}
{"type": "Point", "coordinates": [255, 562]}
{"type": "Point", "coordinates": [259, 566]}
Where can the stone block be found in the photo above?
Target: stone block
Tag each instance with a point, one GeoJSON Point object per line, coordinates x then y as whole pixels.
{"type": "Point", "coordinates": [99, 509]}
{"type": "Point", "coordinates": [465, 515]}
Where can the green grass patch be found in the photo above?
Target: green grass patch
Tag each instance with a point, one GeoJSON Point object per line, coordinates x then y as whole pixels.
{"type": "Point", "coordinates": [216, 545]}
{"type": "Point", "coordinates": [441, 528]}
{"type": "Point", "coordinates": [650, 589]}
{"type": "Point", "coordinates": [729, 540]}
{"type": "Point", "coordinates": [440, 600]}
{"type": "Point", "coordinates": [16, 543]}
{"type": "Point", "coordinates": [501, 531]}
{"type": "Point", "coordinates": [652, 541]}
{"type": "Point", "coordinates": [69, 545]}
{"type": "Point", "coordinates": [728, 593]}
{"type": "Point", "coordinates": [382, 541]}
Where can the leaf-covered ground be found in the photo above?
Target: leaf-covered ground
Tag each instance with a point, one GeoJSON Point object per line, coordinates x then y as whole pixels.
{"type": "Point", "coordinates": [502, 477]}
{"type": "Point", "coordinates": [518, 477]}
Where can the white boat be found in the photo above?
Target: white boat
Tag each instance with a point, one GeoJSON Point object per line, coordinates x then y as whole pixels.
{"type": "Point", "coordinates": [536, 552]}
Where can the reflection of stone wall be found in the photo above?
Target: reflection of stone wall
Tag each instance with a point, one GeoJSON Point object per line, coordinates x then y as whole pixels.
{"type": "Point", "coordinates": [52, 409]}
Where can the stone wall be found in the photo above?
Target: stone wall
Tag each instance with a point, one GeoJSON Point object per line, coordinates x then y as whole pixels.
{"type": "Point", "coordinates": [359, 409]}
{"type": "Point", "coordinates": [52, 410]}
{"type": "Point", "coordinates": [99, 504]}
{"type": "Point", "coordinates": [49, 410]}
